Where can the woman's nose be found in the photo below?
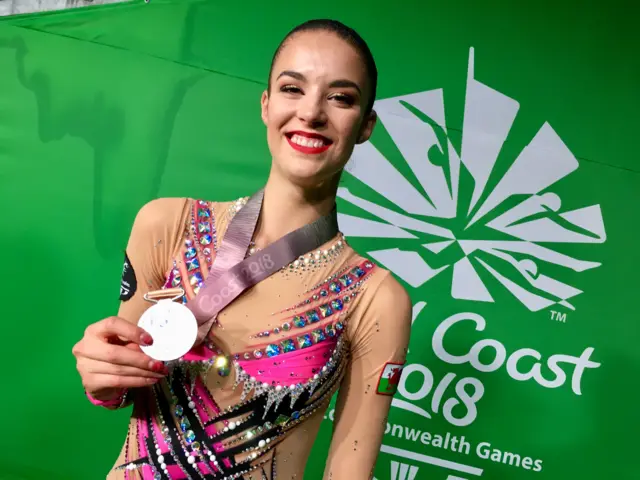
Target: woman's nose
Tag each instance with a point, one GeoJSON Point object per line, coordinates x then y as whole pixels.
{"type": "Point", "coordinates": [311, 110]}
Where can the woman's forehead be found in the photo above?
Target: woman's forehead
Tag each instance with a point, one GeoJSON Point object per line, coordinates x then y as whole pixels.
{"type": "Point", "coordinates": [321, 53]}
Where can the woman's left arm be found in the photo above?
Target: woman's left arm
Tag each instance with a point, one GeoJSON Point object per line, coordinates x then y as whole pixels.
{"type": "Point", "coordinates": [378, 349]}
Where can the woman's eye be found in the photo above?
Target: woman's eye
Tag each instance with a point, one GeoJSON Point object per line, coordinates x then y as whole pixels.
{"type": "Point", "coordinates": [344, 99]}
{"type": "Point", "coordinates": [289, 89]}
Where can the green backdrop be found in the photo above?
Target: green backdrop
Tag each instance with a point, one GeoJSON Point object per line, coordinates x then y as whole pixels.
{"type": "Point", "coordinates": [524, 231]}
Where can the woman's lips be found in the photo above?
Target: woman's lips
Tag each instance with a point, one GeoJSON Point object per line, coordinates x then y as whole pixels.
{"type": "Point", "coordinates": [308, 143]}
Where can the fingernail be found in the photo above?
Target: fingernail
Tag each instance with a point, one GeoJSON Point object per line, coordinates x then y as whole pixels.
{"type": "Point", "coordinates": [146, 339]}
{"type": "Point", "coordinates": [159, 367]}
{"type": "Point", "coordinates": [153, 380]}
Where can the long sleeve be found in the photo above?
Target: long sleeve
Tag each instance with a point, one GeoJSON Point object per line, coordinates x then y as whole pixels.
{"type": "Point", "coordinates": [380, 337]}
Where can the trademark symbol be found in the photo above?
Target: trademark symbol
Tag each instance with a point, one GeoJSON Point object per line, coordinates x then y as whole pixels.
{"type": "Point", "coordinates": [558, 316]}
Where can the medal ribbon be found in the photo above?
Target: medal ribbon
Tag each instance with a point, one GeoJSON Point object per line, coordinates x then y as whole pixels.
{"type": "Point", "coordinates": [231, 274]}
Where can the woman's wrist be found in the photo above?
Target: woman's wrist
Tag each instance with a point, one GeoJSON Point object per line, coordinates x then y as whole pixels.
{"type": "Point", "coordinates": [116, 400]}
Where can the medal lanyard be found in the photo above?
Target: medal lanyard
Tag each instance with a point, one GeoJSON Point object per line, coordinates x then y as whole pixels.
{"type": "Point", "coordinates": [232, 273]}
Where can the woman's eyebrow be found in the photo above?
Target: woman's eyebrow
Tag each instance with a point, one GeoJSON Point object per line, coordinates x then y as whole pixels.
{"type": "Point", "coordinates": [342, 83]}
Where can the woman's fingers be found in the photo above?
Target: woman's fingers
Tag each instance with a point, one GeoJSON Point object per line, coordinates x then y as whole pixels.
{"type": "Point", "coordinates": [102, 351]}
{"type": "Point", "coordinates": [96, 367]}
{"type": "Point", "coordinates": [118, 327]}
{"type": "Point", "coordinates": [102, 381]}
{"type": "Point", "coordinates": [109, 358]}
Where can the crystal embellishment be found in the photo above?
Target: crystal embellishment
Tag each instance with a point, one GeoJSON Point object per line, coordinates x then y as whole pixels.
{"type": "Point", "coordinates": [304, 341]}
{"type": "Point", "coordinates": [325, 310]}
{"type": "Point", "coordinates": [193, 264]}
{"type": "Point", "coordinates": [358, 272]}
{"type": "Point", "coordinates": [277, 392]}
{"type": "Point", "coordinates": [282, 420]}
{"type": "Point", "coordinates": [184, 424]}
{"type": "Point", "coordinates": [318, 335]}
{"type": "Point", "coordinates": [336, 304]}
{"type": "Point", "coordinates": [272, 350]}
{"type": "Point", "coordinates": [312, 316]}
{"type": "Point", "coordinates": [222, 365]}
{"type": "Point", "coordinates": [330, 330]}
{"type": "Point", "coordinates": [288, 345]}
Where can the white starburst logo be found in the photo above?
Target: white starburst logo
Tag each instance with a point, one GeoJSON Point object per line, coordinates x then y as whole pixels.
{"type": "Point", "coordinates": [402, 471]}
{"type": "Point", "coordinates": [466, 201]}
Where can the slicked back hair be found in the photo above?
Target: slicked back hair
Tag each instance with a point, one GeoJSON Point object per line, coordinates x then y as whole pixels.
{"type": "Point", "coordinates": [345, 33]}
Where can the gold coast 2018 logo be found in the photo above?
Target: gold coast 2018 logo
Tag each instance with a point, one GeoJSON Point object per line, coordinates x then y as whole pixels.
{"type": "Point", "coordinates": [497, 224]}
{"type": "Point", "coordinates": [483, 211]}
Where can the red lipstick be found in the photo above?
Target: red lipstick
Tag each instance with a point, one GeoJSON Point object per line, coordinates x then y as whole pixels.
{"type": "Point", "coordinates": [308, 149]}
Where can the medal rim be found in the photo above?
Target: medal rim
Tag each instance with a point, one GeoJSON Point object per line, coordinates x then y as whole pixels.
{"type": "Point", "coordinates": [189, 320]}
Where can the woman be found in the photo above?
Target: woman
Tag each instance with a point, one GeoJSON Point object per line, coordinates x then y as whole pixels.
{"type": "Point", "coordinates": [249, 402]}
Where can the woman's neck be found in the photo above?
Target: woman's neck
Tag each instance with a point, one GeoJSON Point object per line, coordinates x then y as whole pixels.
{"type": "Point", "coordinates": [287, 207]}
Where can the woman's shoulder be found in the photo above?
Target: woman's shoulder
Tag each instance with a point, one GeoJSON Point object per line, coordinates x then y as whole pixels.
{"type": "Point", "coordinates": [161, 209]}
{"type": "Point", "coordinates": [382, 310]}
{"type": "Point", "coordinates": [165, 210]}
{"type": "Point", "coordinates": [218, 207]}
{"type": "Point", "coordinates": [381, 290]}
{"type": "Point", "coordinates": [159, 215]}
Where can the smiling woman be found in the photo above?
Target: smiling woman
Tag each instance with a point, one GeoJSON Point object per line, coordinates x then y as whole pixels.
{"type": "Point", "coordinates": [287, 312]}
{"type": "Point", "coordinates": [319, 102]}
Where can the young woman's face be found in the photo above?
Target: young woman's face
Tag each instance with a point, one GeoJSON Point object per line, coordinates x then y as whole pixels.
{"type": "Point", "coordinates": [315, 112]}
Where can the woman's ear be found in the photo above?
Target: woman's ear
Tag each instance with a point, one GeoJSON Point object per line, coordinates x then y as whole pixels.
{"type": "Point", "coordinates": [264, 106]}
{"type": "Point", "coordinates": [367, 127]}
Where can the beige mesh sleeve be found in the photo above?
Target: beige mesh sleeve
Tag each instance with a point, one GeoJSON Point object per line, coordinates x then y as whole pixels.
{"type": "Point", "coordinates": [379, 339]}
{"type": "Point", "coordinates": [155, 236]}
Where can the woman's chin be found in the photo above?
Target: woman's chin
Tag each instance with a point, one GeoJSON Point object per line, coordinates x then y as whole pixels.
{"type": "Point", "coordinates": [308, 178]}
{"type": "Point", "coordinates": [306, 172]}
{"type": "Point", "coordinates": [302, 171]}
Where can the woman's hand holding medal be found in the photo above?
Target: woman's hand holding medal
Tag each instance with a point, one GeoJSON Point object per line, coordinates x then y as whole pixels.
{"type": "Point", "coordinates": [109, 358]}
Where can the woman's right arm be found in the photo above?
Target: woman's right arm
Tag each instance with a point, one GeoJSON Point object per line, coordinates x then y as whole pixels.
{"type": "Point", "coordinates": [110, 361]}
{"type": "Point", "coordinates": [108, 357]}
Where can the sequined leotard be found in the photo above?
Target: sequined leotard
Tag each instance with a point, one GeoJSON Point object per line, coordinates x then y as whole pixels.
{"type": "Point", "coordinates": [248, 404]}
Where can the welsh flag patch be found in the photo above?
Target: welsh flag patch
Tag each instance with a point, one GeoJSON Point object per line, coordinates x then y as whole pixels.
{"type": "Point", "coordinates": [389, 379]}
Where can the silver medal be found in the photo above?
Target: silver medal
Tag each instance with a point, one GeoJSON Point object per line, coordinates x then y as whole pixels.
{"type": "Point", "coordinates": [173, 328]}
